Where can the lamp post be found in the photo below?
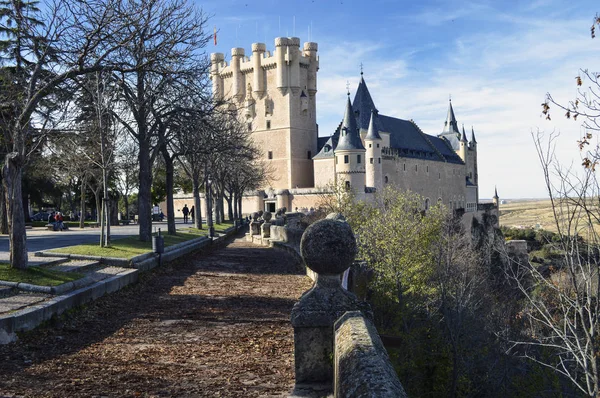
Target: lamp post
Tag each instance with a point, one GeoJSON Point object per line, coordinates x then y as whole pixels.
{"type": "Point", "coordinates": [209, 221]}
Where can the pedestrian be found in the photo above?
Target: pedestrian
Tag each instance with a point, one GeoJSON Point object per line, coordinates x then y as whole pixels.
{"type": "Point", "coordinates": [185, 212]}
{"type": "Point", "coordinates": [59, 221]}
{"type": "Point", "coordinates": [193, 213]}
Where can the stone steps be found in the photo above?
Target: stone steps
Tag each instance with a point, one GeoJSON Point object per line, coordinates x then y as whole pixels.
{"type": "Point", "coordinates": [81, 266]}
{"type": "Point", "coordinates": [20, 299]}
{"type": "Point", "coordinates": [6, 291]}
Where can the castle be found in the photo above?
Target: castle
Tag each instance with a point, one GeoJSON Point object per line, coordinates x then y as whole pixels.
{"type": "Point", "coordinates": [276, 95]}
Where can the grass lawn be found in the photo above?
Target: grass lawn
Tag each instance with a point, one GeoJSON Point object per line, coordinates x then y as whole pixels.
{"type": "Point", "coordinates": [37, 275]}
{"type": "Point", "coordinates": [132, 246]}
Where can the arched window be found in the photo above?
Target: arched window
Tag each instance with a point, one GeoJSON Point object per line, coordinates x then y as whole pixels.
{"type": "Point", "coordinates": [426, 203]}
{"type": "Point", "coordinates": [386, 179]}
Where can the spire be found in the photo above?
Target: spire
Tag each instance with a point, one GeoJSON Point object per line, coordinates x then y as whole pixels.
{"type": "Point", "coordinates": [450, 125]}
{"type": "Point", "coordinates": [495, 193]}
{"type": "Point", "coordinates": [373, 133]}
{"type": "Point", "coordinates": [463, 138]}
{"type": "Point", "coordinates": [349, 135]}
{"type": "Point", "coordinates": [363, 103]}
{"type": "Point", "coordinates": [473, 136]}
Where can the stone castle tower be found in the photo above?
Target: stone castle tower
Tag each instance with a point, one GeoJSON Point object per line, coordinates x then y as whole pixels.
{"type": "Point", "coordinates": [276, 94]}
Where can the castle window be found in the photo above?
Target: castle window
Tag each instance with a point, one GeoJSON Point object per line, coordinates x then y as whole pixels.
{"type": "Point", "coordinates": [439, 176]}
{"type": "Point", "coordinates": [358, 160]}
{"type": "Point", "coordinates": [428, 169]}
{"type": "Point", "coordinates": [346, 160]}
{"type": "Point", "coordinates": [309, 155]}
{"type": "Point", "coordinates": [379, 159]}
{"type": "Point", "coordinates": [347, 185]}
{"type": "Point", "coordinates": [270, 155]}
{"type": "Point", "coordinates": [416, 167]}
{"type": "Point", "coordinates": [370, 145]}
{"type": "Point", "coordinates": [377, 145]}
{"type": "Point", "coordinates": [250, 127]}
{"type": "Point", "coordinates": [404, 166]}
{"type": "Point", "coordinates": [371, 160]}
{"type": "Point", "coordinates": [386, 179]}
{"type": "Point", "coordinates": [268, 125]}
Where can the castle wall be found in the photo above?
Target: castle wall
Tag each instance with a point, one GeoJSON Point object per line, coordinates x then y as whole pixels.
{"type": "Point", "coordinates": [430, 179]}
{"type": "Point", "coordinates": [324, 172]}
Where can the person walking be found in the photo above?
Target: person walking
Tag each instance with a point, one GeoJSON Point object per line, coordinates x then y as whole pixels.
{"type": "Point", "coordinates": [192, 213]}
{"type": "Point", "coordinates": [185, 212]}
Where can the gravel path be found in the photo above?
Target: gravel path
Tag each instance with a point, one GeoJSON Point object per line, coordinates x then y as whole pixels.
{"type": "Point", "coordinates": [215, 324]}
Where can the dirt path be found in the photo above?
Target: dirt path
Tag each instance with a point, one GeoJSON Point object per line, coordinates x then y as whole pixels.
{"type": "Point", "coordinates": [210, 325]}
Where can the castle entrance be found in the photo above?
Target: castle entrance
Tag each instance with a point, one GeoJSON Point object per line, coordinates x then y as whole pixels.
{"type": "Point", "coordinates": [270, 206]}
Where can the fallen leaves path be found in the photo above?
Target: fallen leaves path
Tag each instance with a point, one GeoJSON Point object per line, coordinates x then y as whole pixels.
{"type": "Point", "coordinates": [213, 324]}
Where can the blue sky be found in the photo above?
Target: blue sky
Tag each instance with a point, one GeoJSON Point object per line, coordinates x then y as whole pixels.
{"type": "Point", "coordinates": [497, 59]}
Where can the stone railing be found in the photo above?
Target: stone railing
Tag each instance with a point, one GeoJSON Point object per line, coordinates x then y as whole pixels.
{"type": "Point", "coordinates": [337, 350]}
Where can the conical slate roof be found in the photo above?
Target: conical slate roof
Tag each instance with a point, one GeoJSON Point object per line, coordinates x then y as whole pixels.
{"type": "Point", "coordinates": [473, 136]}
{"type": "Point", "coordinates": [373, 132]}
{"type": "Point", "coordinates": [495, 192]}
{"type": "Point", "coordinates": [450, 125]}
{"type": "Point", "coordinates": [363, 103]}
{"type": "Point", "coordinates": [463, 138]}
{"type": "Point", "coordinates": [349, 134]}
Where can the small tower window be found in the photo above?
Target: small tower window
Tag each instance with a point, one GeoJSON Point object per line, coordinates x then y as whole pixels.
{"type": "Point", "coordinates": [250, 127]}
{"type": "Point", "coordinates": [428, 169]}
{"type": "Point", "coordinates": [347, 185]}
{"type": "Point", "coordinates": [377, 145]}
{"type": "Point", "coordinates": [268, 125]}
{"type": "Point", "coordinates": [439, 176]}
{"type": "Point", "coordinates": [404, 166]}
{"type": "Point", "coordinates": [371, 160]}
{"type": "Point", "coordinates": [416, 167]}
{"type": "Point", "coordinates": [346, 160]}
{"type": "Point", "coordinates": [270, 155]}
{"type": "Point", "coordinates": [370, 145]}
{"type": "Point", "coordinates": [386, 179]}
{"type": "Point", "coordinates": [379, 159]}
{"type": "Point", "coordinates": [358, 159]}
{"type": "Point", "coordinates": [309, 155]}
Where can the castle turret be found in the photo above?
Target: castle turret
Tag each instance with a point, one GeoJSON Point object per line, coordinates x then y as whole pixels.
{"type": "Point", "coordinates": [310, 51]}
{"type": "Point", "coordinates": [217, 81]}
{"type": "Point", "coordinates": [464, 146]}
{"type": "Point", "coordinates": [473, 145]}
{"type": "Point", "coordinates": [258, 49]}
{"type": "Point", "coordinates": [282, 57]}
{"type": "Point", "coordinates": [294, 63]}
{"type": "Point", "coordinates": [450, 125]}
{"type": "Point", "coordinates": [350, 153]}
{"type": "Point", "coordinates": [373, 165]}
{"type": "Point", "coordinates": [237, 54]}
{"type": "Point", "coordinates": [496, 199]}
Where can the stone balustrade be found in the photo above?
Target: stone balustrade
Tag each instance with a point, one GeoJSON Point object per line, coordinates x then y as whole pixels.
{"type": "Point", "coordinates": [337, 350]}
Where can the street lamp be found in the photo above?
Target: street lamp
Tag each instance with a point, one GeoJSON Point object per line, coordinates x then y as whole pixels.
{"type": "Point", "coordinates": [209, 221]}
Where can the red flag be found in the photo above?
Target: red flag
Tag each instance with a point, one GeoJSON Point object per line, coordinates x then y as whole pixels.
{"type": "Point", "coordinates": [215, 35]}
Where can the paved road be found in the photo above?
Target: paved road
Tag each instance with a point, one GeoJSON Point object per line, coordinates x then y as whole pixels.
{"type": "Point", "coordinates": [213, 324]}
{"type": "Point", "coordinates": [42, 239]}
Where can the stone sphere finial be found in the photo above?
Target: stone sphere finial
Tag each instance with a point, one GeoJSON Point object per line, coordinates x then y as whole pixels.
{"type": "Point", "coordinates": [267, 216]}
{"type": "Point", "coordinates": [255, 216]}
{"type": "Point", "coordinates": [336, 217]}
{"type": "Point", "coordinates": [328, 247]}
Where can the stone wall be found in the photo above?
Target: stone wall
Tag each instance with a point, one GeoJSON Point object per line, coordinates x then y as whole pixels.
{"type": "Point", "coordinates": [362, 365]}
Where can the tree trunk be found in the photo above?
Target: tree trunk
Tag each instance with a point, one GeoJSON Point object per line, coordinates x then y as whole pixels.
{"type": "Point", "coordinates": [145, 193]}
{"type": "Point", "coordinates": [229, 199]}
{"type": "Point", "coordinates": [240, 205]}
{"type": "Point", "coordinates": [3, 219]}
{"type": "Point", "coordinates": [233, 203]}
{"type": "Point", "coordinates": [197, 208]}
{"type": "Point", "coordinates": [171, 228]}
{"type": "Point", "coordinates": [12, 175]}
{"type": "Point", "coordinates": [82, 215]}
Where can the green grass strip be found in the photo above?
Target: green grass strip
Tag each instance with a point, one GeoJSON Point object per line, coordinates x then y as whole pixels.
{"type": "Point", "coordinates": [132, 246]}
{"type": "Point", "coordinates": [37, 275]}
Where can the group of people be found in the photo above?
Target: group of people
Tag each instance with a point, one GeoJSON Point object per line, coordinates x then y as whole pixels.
{"type": "Point", "coordinates": [57, 220]}
{"type": "Point", "coordinates": [187, 212]}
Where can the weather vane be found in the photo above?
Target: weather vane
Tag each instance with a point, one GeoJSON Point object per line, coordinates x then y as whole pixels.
{"type": "Point", "coordinates": [361, 68]}
{"type": "Point", "coordinates": [348, 87]}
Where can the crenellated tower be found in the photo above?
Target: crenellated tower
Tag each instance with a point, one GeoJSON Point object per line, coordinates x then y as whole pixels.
{"type": "Point", "coordinates": [276, 98]}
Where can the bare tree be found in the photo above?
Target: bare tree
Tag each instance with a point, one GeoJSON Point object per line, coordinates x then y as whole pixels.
{"type": "Point", "coordinates": [166, 36]}
{"type": "Point", "coordinates": [562, 307]}
{"type": "Point", "coordinates": [46, 49]}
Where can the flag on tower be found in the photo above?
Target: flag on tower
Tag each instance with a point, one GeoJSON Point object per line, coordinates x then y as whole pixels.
{"type": "Point", "coordinates": [215, 35]}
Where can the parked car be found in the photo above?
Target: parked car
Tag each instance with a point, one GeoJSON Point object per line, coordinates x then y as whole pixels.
{"type": "Point", "coordinates": [41, 216]}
